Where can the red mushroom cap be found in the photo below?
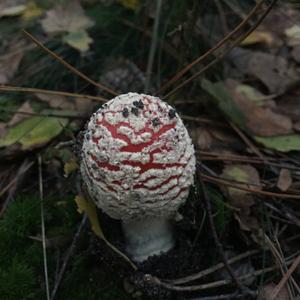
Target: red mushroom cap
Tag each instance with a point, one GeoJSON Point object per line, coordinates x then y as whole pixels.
{"type": "Point", "coordinates": [137, 158]}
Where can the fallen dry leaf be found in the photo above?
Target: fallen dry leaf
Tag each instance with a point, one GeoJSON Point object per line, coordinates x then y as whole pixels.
{"type": "Point", "coordinates": [258, 37]}
{"type": "Point", "coordinates": [9, 65]}
{"type": "Point", "coordinates": [87, 206]}
{"type": "Point", "coordinates": [20, 114]}
{"type": "Point", "coordinates": [293, 35]}
{"type": "Point", "coordinates": [70, 166]}
{"type": "Point", "coordinates": [284, 180]}
{"type": "Point", "coordinates": [262, 121]}
{"type": "Point", "coordinates": [296, 126]}
{"type": "Point", "coordinates": [67, 17]}
{"type": "Point", "coordinates": [266, 292]}
{"type": "Point", "coordinates": [239, 199]}
{"type": "Point", "coordinates": [241, 173]}
{"type": "Point", "coordinates": [273, 71]}
{"type": "Point", "coordinates": [56, 101]}
{"type": "Point", "coordinates": [79, 40]}
{"type": "Point", "coordinates": [82, 105]}
{"type": "Point", "coordinates": [32, 11]}
{"type": "Point", "coordinates": [296, 53]}
{"type": "Point", "coordinates": [201, 137]}
{"type": "Point", "coordinates": [10, 8]}
{"type": "Point", "coordinates": [279, 19]}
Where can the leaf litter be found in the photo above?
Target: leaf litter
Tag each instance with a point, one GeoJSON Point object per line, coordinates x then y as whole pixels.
{"type": "Point", "coordinates": [259, 94]}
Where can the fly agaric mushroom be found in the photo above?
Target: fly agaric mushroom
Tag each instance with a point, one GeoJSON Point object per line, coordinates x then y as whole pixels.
{"type": "Point", "coordinates": [138, 163]}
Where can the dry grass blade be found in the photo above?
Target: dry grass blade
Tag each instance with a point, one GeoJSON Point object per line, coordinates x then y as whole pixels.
{"type": "Point", "coordinates": [226, 182]}
{"type": "Point", "coordinates": [153, 45]}
{"type": "Point", "coordinates": [210, 285]}
{"type": "Point", "coordinates": [211, 270]}
{"type": "Point", "coordinates": [67, 65]}
{"type": "Point", "coordinates": [221, 56]}
{"type": "Point", "coordinates": [25, 166]}
{"type": "Point", "coordinates": [206, 54]}
{"type": "Point", "coordinates": [68, 256]}
{"type": "Point", "coordinates": [43, 227]}
{"type": "Point", "coordinates": [284, 279]}
{"type": "Point", "coordinates": [18, 89]}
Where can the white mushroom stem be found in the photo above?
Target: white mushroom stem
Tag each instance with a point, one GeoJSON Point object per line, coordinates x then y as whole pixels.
{"type": "Point", "coordinates": [147, 237]}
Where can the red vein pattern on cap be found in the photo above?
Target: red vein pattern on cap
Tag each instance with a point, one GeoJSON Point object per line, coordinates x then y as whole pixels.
{"type": "Point", "coordinates": [137, 161]}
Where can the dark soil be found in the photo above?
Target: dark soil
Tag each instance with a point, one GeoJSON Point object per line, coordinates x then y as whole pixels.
{"type": "Point", "coordinates": [189, 255]}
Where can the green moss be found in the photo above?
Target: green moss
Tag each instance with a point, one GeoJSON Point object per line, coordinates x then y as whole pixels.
{"type": "Point", "coordinates": [21, 259]}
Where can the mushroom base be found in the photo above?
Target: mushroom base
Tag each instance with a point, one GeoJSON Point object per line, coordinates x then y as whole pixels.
{"type": "Point", "coordinates": [147, 237]}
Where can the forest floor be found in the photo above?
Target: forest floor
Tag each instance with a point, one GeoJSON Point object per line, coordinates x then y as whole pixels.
{"type": "Point", "coordinates": [232, 71]}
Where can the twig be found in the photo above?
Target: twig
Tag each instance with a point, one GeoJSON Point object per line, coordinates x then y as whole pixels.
{"type": "Point", "coordinates": [18, 89]}
{"type": "Point", "coordinates": [221, 56]}
{"type": "Point", "coordinates": [67, 65]}
{"type": "Point", "coordinates": [153, 45]}
{"type": "Point", "coordinates": [234, 295]}
{"type": "Point", "coordinates": [206, 54]}
{"type": "Point", "coordinates": [210, 285]}
{"type": "Point", "coordinates": [43, 114]}
{"type": "Point", "coordinates": [211, 270]}
{"type": "Point", "coordinates": [255, 191]}
{"type": "Point", "coordinates": [247, 141]}
{"type": "Point", "coordinates": [280, 261]}
{"type": "Point", "coordinates": [218, 243]}
{"type": "Point", "coordinates": [43, 226]}
{"type": "Point", "coordinates": [285, 278]}
{"type": "Point", "coordinates": [25, 166]}
{"type": "Point", "coordinates": [68, 256]}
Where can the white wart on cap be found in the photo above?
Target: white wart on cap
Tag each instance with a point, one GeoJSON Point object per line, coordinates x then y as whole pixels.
{"type": "Point", "coordinates": [137, 158]}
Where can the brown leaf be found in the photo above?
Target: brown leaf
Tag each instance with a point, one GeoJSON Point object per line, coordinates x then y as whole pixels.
{"type": "Point", "coordinates": [290, 105]}
{"type": "Point", "coordinates": [240, 199]}
{"type": "Point", "coordinates": [273, 71]}
{"type": "Point", "coordinates": [241, 173]}
{"type": "Point", "coordinates": [262, 121]}
{"type": "Point", "coordinates": [280, 18]}
{"type": "Point", "coordinates": [9, 65]}
{"type": "Point", "coordinates": [201, 137]}
{"type": "Point", "coordinates": [266, 292]}
{"type": "Point", "coordinates": [20, 114]}
{"type": "Point", "coordinates": [57, 101]}
{"type": "Point", "coordinates": [296, 126]}
{"type": "Point", "coordinates": [285, 180]}
{"type": "Point", "coordinates": [67, 17]}
{"type": "Point", "coordinates": [258, 37]}
{"type": "Point", "coordinates": [296, 53]}
{"type": "Point", "coordinates": [85, 106]}
{"type": "Point", "coordinates": [9, 8]}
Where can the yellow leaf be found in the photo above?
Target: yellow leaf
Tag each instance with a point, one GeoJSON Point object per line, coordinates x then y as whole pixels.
{"type": "Point", "coordinates": [32, 11]}
{"type": "Point", "coordinates": [11, 11]}
{"type": "Point", "coordinates": [87, 206]}
{"type": "Point", "coordinates": [79, 40]}
{"type": "Point", "coordinates": [70, 166]}
{"type": "Point", "coordinates": [258, 37]}
{"type": "Point", "coordinates": [131, 4]}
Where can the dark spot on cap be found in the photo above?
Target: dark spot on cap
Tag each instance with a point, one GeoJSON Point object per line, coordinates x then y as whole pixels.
{"type": "Point", "coordinates": [125, 112]}
{"type": "Point", "coordinates": [88, 136]}
{"type": "Point", "coordinates": [155, 122]}
{"type": "Point", "coordinates": [94, 166]}
{"type": "Point", "coordinates": [135, 111]}
{"type": "Point", "coordinates": [138, 104]}
{"type": "Point", "coordinates": [172, 113]}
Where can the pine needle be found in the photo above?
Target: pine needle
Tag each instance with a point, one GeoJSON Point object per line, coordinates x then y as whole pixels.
{"type": "Point", "coordinates": [43, 227]}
